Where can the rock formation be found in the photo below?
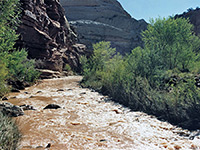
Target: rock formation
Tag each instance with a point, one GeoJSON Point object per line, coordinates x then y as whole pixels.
{"type": "Point", "coordinates": [46, 34]}
{"type": "Point", "coordinates": [104, 20]}
{"type": "Point", "coordinates": [194, 16]}
{"type": "Point", "coordinates": [10, 109]}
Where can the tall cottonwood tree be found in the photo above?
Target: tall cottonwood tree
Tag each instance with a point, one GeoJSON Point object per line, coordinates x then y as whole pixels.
{"type": "Point", "coordinates": [171, 43]}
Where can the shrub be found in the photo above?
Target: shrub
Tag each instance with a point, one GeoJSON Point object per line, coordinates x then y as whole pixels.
{"type": "Point", "coordinates": [170, 44]}
{"type": "Point", "coordinates": [190, 9]}
{"type": "Point", "coordinates": [3, 74]}
{"type": "Point", "coordinates": [9, 13]}
{"type": "Point", "coordinates": [9, 133]}
{"type": "Point", "coordinates": [93, 66]}
{"type": "Point", "coordinates": [158, 79]}
{"type": "Point", "coordinates": [14, 65]}
{"type": "Point", "coordinates": [67, 67]}
{"type": "Point", "coordinates": [21, 68]}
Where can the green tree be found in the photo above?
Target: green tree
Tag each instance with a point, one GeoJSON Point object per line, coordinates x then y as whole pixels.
{"type": "Point", "coordinates": [20, 68]}
{"type": "Point", "coordinates": [171, 44]}
{"type": "Point", "coordinates": [9, 19]}
{"type": "Point", "coordinates": [94, 66]}
{"type": "Point", "coordinates": [9, 12]}
{"type": "Point", "coordinates": [102, 54]}
{"type": "Point", "coordinates": [3, 74]}
{"type": "Point", "coordinates": [158, 79]}
{"type": "Point", "coordinates": [15, 61]}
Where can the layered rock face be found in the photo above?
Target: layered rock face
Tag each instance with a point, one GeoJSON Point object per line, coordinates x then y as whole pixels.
{"type": "Point", "coordinates": [46, 34]}
{"type": "Point", "coordinates": [104, 20]}
{"type": "Point", "coordinates": [194, 16]}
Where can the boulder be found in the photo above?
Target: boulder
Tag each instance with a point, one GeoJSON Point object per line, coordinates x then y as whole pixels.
{"type": "Point", "coordinates": [18, 85]}
{"type": "Point", "coordinates": [46, 34]}
{"type": "Point", "coordinates": [52, 106]}
{"type": "Point", "coordinates": [11, 110]}
{"type": "Point", "coordinates": [100, 20]}
{"type": "Point", "coordinates": [4, 99]}
{"type": "Point", "coordinates": [27, 107]}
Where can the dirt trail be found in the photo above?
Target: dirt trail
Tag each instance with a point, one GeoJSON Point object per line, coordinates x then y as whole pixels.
{"type": "Point", "coordinates": [90, 122]}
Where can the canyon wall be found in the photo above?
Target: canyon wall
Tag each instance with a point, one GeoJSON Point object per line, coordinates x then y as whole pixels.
{"type": "Point", "coordinates": [47, 36]}
{"type": "Point", "coordinates": [104, 20]}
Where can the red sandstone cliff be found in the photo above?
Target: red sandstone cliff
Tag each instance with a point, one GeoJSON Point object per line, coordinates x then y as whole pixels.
{"type": "Point", "coordinates": [47, 36]}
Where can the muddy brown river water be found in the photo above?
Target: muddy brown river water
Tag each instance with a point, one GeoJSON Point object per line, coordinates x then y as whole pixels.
{"type": "Point", "coordinates": [86, 121]}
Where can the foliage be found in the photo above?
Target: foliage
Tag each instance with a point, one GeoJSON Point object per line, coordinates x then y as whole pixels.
{"type": "Point", "coordinates": [67, 67]}
{"type": "Point", "coordinates": [159, 79]}
{"type": "Point", "coordinates": [190, 9]}
{"type": "Point", "coordinates": [3, 74]}
{"type": "Point", "coordinates": [20, 68]}
{"type": "Point", "coordinates": [197, 8]}
{"type": "Point", "coordinates": [170, 44]}
{"type": "Point", "coordinates": [16, 66]}
{"type": "Point", "coordinates": [9, 13]}
{"type": "Point", "coordinates": [9, 133]}
{"type": "Point", "coordinates": [92, 68]}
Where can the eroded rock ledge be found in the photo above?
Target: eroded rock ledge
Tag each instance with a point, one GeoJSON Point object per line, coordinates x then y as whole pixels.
{"type": "Point", "coordinates": [46, 34]}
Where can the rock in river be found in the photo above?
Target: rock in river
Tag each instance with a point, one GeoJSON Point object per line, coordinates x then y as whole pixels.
{"type": "Point", "coordinates": [11, 110]}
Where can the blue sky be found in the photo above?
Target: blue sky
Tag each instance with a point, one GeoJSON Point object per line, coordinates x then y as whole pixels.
{"type": "Point", "coordinates": [146, 9]}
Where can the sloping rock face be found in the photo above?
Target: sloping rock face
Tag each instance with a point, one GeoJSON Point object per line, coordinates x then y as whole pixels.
{"type": "Point", "coordinates": [194, 16]}
{"type": "Point", "coordinates": [46, 34]}
{"type": "Point", "coordinates": [104, 20]}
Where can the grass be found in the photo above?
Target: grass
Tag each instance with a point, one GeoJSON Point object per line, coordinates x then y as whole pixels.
{"type": "Point", "coordinates": [9, 133]}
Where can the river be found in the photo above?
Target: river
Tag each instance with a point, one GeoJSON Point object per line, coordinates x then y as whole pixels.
{"type": "Point", "coordinates": [88, 120]}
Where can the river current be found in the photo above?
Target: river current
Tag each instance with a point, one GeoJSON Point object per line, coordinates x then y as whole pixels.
{"type": "Point", "coordinates": [88, 120]}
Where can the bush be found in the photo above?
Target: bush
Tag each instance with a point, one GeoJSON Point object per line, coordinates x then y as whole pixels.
{"type": "Point", "coordinates": [9, 12]}
{"type": "Point", "coordinates": [9, 133]}
{"type": "Point", "coordinates": [169, 45]}
{"type": "Point", "coordinates": [9, 19]}
{"type": "Point", "coordinates": [21, 68]}
{"type": "Point", "coordinates": [159, 79]}
{"type": "Point", "coordinates": [15, 62]}
{"type": "Point", "coordinates": [67, 67]}
{"type": "Point", "coordinates": [14, 65]}
{"type": "Point", "coordinates": [93, 66]}
{"type": "Point", "coordinates": [3, 74]}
